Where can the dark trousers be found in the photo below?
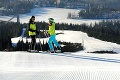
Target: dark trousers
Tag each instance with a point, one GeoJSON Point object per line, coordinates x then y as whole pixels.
{"type": "Point", "coordinates": [33, 42]}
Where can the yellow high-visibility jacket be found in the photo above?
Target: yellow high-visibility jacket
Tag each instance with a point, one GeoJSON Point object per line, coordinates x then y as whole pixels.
{"type": "Point", "coordinates": [51, 30]}
{"type": "Point", "coordinates": [33, 29]}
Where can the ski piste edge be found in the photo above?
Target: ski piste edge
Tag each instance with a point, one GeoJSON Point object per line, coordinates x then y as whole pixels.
{"type": "Point", "coordinates": [47, 52]}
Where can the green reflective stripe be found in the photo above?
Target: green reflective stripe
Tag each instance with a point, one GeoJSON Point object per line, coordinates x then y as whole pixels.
{"type": "Point", "coordinates": [33, 27]}
{"type": "Point", "coordinates": [51, 30]}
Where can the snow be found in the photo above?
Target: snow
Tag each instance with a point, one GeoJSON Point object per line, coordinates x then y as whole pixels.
{"type": "Point", "coordinates": [59, 14]}
{"type": "Point", "coordinates": [37, 66]}
{"type": "Point", "coordinates": [80, 65]}
{"type": "Point", "coordinates": [90, 44]}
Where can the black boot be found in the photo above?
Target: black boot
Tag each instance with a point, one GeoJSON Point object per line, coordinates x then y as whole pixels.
{"type": "Point", "coordinates": [52, 51]}
{"type": "Point", "coordinates": [59, 50]}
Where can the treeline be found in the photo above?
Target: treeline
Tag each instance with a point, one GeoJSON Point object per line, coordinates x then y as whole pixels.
{"type": "Point", "coordinates": [98, 12]}
{"type": "Point", "coordinates": [105, 30]}
{"type": "Point", "coordinates": [13, 7]}
{"type": "Point", "coordinates": [10, 30]}
{"type": "Point", "coordinates": [17, 7]}
{"type": "Point", "coordinates": [104, 52]}
{"type": "Point", "coordinates": [68, 47]}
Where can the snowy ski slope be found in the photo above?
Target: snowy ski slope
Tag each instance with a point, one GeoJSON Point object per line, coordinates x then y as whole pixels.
{"type": "Point", "coordinates": [90, 44]}
{"type": "Point", "coordinates": [36, 66]}
{"type": "Point", "coordinates": [75, 66]}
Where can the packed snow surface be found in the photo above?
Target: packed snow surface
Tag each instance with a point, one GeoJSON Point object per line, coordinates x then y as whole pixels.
{"type": "Point", "coordinates": [37, 66]}
{"type": "Point", "coordinates": [90, 44]}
